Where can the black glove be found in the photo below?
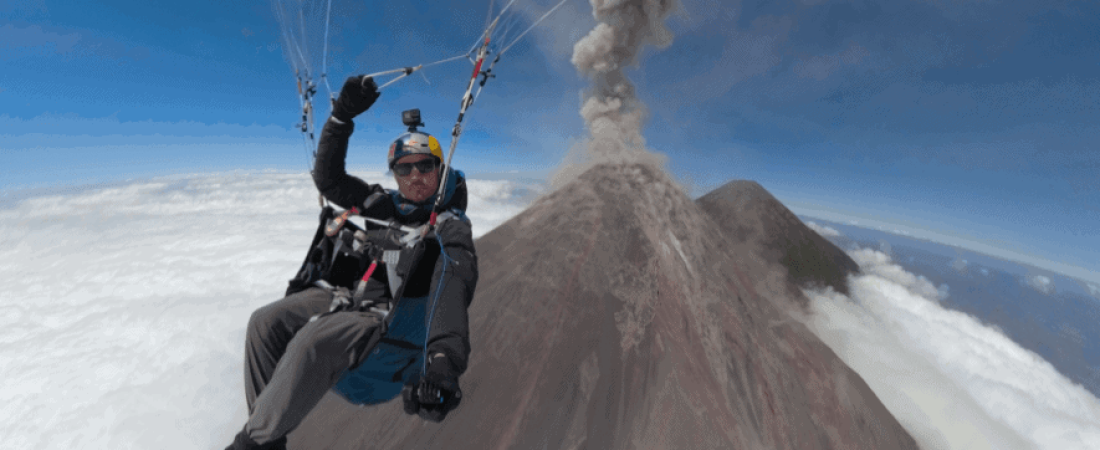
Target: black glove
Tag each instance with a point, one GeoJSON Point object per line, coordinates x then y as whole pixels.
{"type": "Point", "coordinates": [358, 94]}
{"type": "Point", "coordinates": [436, 394]}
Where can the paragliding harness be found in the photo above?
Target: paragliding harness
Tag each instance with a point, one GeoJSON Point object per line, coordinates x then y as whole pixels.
{"type": "Point", "coordinates": [343, 258]}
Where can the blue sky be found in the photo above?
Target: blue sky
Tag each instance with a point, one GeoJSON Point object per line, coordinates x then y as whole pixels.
{"type": "Point", "coordinates": [976, 120]}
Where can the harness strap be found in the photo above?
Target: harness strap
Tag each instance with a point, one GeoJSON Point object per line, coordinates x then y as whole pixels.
{"type": "Point", "coordinates": [342, 300]}
{"type": "Point", "coordinates": [362, 285]}
{"type": "Point", "coordinates": [345, 300]}
{"type": "Point", "coordinates": [391, 258]}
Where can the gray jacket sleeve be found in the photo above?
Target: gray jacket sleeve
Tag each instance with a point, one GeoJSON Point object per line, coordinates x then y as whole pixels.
{"type": "Point", "coordinates": [329, 173]}
{"type": "Point", "coordinates": [455, 279]}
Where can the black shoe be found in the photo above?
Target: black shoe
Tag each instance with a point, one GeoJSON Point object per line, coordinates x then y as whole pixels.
{"type": "Point", "coordinates": [244, 442]}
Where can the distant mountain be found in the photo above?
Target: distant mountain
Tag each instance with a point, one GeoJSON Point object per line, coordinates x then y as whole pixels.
{"type": "Point", "coordinates": [615, 313]}
{"type": "Point", "coordinates": [751, 215]}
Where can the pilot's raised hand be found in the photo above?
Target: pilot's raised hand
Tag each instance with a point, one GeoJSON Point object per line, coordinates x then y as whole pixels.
{"type": "Point", "coordinates": [357, 95]}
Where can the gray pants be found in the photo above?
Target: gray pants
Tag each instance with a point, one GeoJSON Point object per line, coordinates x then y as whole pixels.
{"type": "Point", "coordinates": [290, 362]}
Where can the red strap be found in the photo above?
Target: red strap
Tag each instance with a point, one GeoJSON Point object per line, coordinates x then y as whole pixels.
{"type": "Point", "coordinates": [477, 68]}
{"type": "Point", "coordinates": [370, 270]}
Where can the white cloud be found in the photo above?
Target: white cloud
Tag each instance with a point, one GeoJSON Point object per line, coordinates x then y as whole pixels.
{"type": "Point", "coordinates": [823, 230]}
{"type": "Point", "coordinates": [951, 381]}
{"type": "Point", "coordinates": [943, 291]}
{"type": "Point", "coordinates": [1041, 283]}
{"type": "Point", "coordinates": [121, 304]}
{"type": "Point", "coordinates": [1094, 290]}
{"type": "Point", "coordinates": [880, 265]}
{"type": "Point", "coordinates": [494, 202]}
{"type": "Point", "coordinates": [960, 265]}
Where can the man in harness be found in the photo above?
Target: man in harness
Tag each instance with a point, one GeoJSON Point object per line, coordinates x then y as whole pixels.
{"type": "Point", "coordinates": [369, 335]}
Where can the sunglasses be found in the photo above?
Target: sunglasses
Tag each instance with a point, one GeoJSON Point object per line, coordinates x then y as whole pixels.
{"type": "Point", "coordinates": [422, 166]}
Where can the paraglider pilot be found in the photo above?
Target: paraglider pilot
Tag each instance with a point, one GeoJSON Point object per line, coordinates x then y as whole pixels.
{"type": "Point", "coordinates": [399, 331]}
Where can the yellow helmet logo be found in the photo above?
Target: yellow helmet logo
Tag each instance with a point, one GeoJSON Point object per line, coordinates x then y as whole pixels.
{"type": "Point", "coordinates": [433, 145]}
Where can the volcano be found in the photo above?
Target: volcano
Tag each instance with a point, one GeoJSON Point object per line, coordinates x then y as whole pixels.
{"type": "Point", "coordinates": [616, 313]}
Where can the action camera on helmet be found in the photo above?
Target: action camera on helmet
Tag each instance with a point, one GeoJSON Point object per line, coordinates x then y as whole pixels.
{"type": "Point", "coordinates": [411, 118]}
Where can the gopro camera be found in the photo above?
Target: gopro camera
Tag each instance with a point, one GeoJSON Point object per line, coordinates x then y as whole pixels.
{"type": "Point", "coordinates": [411, 118]}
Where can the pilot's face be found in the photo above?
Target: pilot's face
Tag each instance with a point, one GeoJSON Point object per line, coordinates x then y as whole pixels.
{"type": "Point", "coordinates": [417, 186]}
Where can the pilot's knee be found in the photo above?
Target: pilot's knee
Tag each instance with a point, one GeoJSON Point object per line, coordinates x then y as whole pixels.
{"type": "Point", "coordinates": [264, 321]}
{"type": "Point", "coordinates": [340, 331]}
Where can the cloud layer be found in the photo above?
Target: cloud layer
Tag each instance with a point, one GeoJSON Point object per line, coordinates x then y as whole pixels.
{"type": "Point", "coordinates": [122, 317]}
{"type": "Point", "coordinates": [823, 230]}
{"type": "Point", "coordinates": [952, 381]}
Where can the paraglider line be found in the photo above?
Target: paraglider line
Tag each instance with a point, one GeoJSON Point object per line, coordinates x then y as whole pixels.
{"type": "Point", "coordinates": [511, 23]}
{"type": "Point", "coordinates": [409, 71]}
{"type": "Point", "coordinates": [288, 34]}
{"type": "Point", "coordinates": [302, 21]}
{"type": "Point", "coordinates": [467, 100]}
{"type": "Point", "coordinates": [309, 160]}
{"type": "Point", "coordinates": [324, 53]}
{"type": "Point", "coordinates": [509, 5]}
{"type": "Point", "coordinates": [488, 27]}
{"type": "Point", "coordinates": [489, 14]}
{"type": "Point", "coordinates": [298, 48]}
{"type": "Point", "coordinates": [544, 16]}
{"type": "Point", "coordinates": [435, 299]}
{"type": "Point", "coordinates": [445, 60]}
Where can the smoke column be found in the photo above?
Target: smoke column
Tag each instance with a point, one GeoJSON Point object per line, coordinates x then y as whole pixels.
{"type": "Point", "coordinates": [612, 113]}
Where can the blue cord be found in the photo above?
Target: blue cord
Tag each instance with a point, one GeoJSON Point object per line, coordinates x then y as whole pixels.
{"type": "Point", "coordinates": [435, 299]}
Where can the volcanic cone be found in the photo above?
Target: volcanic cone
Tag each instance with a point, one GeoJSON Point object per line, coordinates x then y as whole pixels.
{"type": "Point", "coordinates": [614, 313]}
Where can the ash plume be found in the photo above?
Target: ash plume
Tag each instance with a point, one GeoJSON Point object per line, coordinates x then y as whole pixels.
{"type": "Point", "coordinates": [612, 113]}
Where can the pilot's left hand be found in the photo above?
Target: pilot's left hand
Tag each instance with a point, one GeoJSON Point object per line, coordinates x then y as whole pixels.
{"type": "Point", "coordinates": [437, 392]}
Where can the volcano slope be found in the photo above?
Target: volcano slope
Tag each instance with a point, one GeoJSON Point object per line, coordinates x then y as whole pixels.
{"type": "Point", "coordinates": [614, 313]}
{"type": "Point", "coordinates": [750, 215]}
